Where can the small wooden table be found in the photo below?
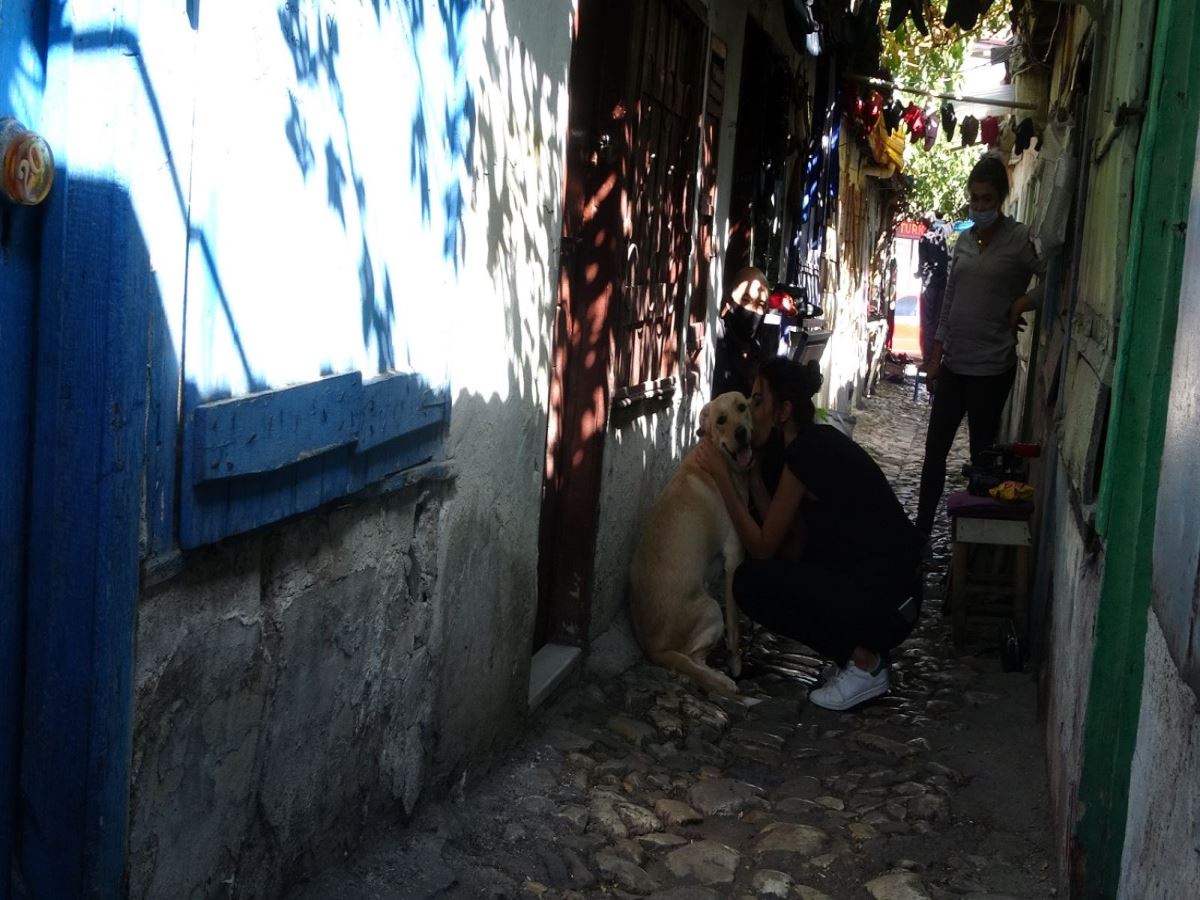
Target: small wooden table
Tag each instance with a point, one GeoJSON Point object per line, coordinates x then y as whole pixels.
{"type": "Point", "coordinates": [996, 523]}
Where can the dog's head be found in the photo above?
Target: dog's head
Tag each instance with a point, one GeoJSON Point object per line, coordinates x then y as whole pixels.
{"type": "Point", "coordinates": [725, 420]}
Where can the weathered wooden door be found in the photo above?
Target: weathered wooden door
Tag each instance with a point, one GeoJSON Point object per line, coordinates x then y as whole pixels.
{"type": "Point", "coordinates": [669, 69]}
{"type": "Point", "coordinates": [588, 273]}
{"type": "Point", "coordinates": [22, 68]}
{"type": "Point", "coordinates": [632, 142]}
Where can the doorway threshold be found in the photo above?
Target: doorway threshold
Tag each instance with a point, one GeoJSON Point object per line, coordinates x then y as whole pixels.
{"type": "Point", "coordinates": [551, 665]}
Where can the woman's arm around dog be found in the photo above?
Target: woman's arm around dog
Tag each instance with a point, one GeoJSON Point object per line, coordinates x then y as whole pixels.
{"type": "Point", "coordinates": [760, 542]}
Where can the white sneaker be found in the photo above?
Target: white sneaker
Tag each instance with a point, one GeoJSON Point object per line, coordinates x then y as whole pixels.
{"type": "Point", "coordinates": [850, 687]}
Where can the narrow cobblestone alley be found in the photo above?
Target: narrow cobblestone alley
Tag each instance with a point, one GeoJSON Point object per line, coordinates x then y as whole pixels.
{"type": "Point", "coordinates": [640, 785]}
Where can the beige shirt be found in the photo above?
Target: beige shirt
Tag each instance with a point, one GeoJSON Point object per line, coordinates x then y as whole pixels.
{"type": "Point", "coordinates": [980, 289]}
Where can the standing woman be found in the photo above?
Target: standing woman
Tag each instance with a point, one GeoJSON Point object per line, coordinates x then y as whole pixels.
{"type": "Point", "coordinates": [974, 358]}
{"type": "Point", "coordinates": [810, 574]}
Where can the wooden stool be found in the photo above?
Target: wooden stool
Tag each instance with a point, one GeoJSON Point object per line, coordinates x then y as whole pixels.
{"type": "Point", "coordinates": [996, 523]}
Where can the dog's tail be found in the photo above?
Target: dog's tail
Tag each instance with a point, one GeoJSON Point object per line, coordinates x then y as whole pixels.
{"type": "Point", "coordinates": [709, 679]}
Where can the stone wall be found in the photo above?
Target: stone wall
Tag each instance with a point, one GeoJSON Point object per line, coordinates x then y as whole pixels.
{"type": "Point", "coordinates": [284, 698]}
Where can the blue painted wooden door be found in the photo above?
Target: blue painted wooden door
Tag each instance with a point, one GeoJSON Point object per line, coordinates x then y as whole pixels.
{"type": "Point", "coordinates": [22, 68]}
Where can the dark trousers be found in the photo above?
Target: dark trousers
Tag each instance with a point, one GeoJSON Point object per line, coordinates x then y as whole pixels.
{"type": "Point", "coordinates": [830, 611]}
{"type": "Point", "coordinates": [981, 399]}
{"type": "Point", "coordinates": [931, 311]}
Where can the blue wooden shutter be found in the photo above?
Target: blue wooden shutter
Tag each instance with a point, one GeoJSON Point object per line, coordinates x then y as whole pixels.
{"type": "Point", "coordinates": [254, 460]}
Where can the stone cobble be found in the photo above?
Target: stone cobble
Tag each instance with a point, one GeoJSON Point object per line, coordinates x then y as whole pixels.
{"type": "Point", "coordinates": [642, 786]}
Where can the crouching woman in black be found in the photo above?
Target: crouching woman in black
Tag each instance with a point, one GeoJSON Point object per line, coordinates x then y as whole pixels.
{"type": "Point", "coordinates": [834, 561]}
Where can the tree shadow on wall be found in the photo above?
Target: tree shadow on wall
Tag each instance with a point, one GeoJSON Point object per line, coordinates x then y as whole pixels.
{"type": "Point", "coordinates": [315, 48]}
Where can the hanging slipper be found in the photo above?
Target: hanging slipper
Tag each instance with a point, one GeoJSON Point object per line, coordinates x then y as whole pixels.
{"type": "Point", "coordinates": [954, 12]}
{"type": "Point", "coordinates": [912, 116]}
{"type": "Point", "coordinates": [903, 9]}
{"type": "Point", "coordinates": [899, 13]}
{"type": "Point", "coordinates": [918, 17]}
{"type": "Point", "coordinates": [931, 127]}
{"type": "Point", "coordinates": [949, 120]}
{"type": "Point", "coordinates": [989, 131]}
{"type": "Point", "coordinates": [893, 114]}
{"type": "Point", "coordinates": [872, 108]}
{"type": "Point", "coordinates": [969, 130]}
{"type": "Point", "coordinates": [1025, 135]}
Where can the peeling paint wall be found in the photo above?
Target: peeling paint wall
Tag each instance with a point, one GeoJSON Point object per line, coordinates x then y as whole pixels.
{"type": "Point", "coordinates": [1162, 829]}
{"type": "Point", "coordinates": [1076, 589]}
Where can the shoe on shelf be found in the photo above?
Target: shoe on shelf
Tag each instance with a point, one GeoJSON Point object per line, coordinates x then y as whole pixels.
{"type": "Point", "coordinates": [850, 687]}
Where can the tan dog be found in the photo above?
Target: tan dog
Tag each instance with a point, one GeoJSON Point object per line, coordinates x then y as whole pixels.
{"type": "Point", "coordinates": [676, 621]}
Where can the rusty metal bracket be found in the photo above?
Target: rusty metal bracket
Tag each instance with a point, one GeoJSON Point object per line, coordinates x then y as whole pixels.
{"type": "Point", "coordinates": [1125, 112]}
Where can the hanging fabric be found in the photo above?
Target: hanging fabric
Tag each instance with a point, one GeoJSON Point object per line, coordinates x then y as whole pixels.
{"type": "Point", "coordinates": [1055, 179]}
{"type": "Point", "coordinates": [887, 148]}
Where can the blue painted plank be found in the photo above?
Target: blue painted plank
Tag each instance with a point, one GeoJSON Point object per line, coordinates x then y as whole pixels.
{"type": "Point", "coordinates": [22, 58]}
{"type": "Point", "coordinates": [162, 433]}
{"type": "Point", "coordinates": [84, 527]}
{"type": "Point", "coordinates": [394, 405]}
{"type": "Point", "coordinates": [18, 290]}
{"type": "Point", "coordinates": [263, 432]}
{"type": "Point", "coordinates": [413, 449]}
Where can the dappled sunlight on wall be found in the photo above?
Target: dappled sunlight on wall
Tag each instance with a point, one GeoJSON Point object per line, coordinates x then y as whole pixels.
{"type": "Point", "coordinates": [24, 81]}
{"type": "Point", "coordinates": [503, 313]}
{"type": "Point", "coordinates": [332, 146]}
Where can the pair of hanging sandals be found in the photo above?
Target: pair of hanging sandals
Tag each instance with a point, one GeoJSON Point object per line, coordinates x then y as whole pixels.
{"type": "Point", "coordinates": [963, 13]}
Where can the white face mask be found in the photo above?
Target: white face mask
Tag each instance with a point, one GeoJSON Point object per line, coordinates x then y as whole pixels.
{"type": "Point", "coordinates": [984, 220]}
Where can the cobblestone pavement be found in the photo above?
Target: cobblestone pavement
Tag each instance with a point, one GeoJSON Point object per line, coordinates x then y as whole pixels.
{"type": "Point", "coordinates": [640, 785]}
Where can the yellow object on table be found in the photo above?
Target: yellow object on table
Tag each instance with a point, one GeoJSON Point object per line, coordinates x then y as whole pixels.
{"type": "Point", "coordinates": [1012, 490]}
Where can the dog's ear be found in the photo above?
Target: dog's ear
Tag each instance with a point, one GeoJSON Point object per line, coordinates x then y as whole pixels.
{"type": "Point", "coordinates": [703, 429]}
